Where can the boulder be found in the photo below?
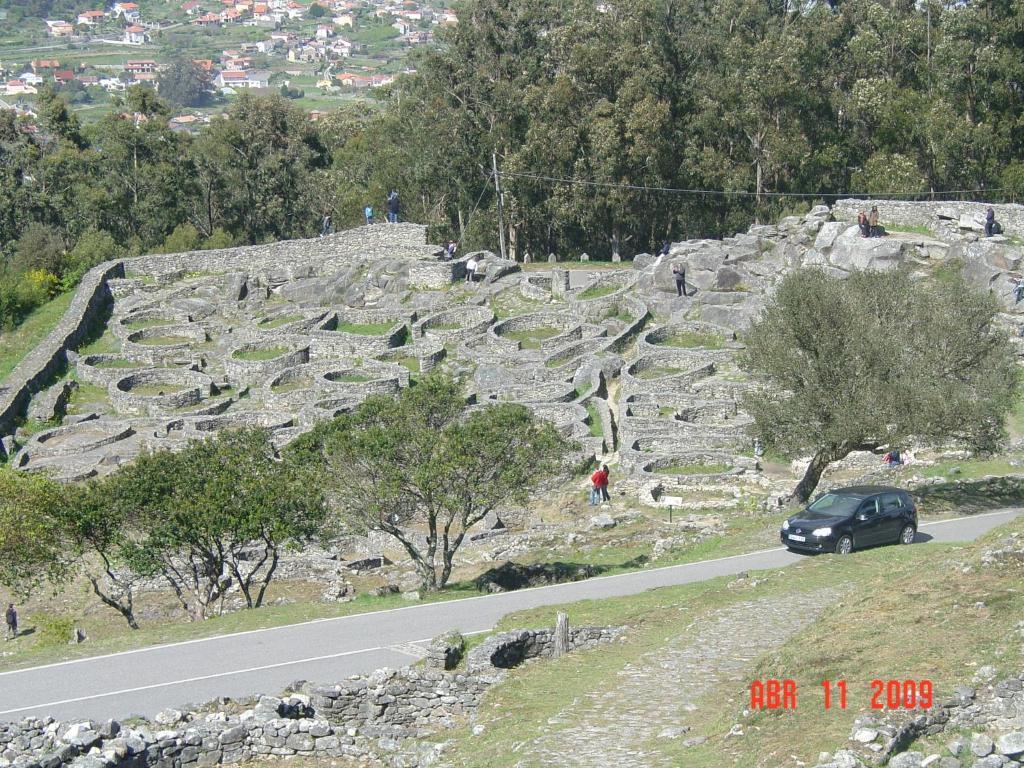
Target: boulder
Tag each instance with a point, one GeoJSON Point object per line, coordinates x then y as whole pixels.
{"type": "Point", "coordinates": [981, 745]}
{"type": "Point", "coordinates": [602, 522]}
{"type": "Point", "coordinates": [850, 252]}
{"type": "Point", "coordinates": [1011, 744]}
{"type": "Point", "coordinates": [975, 222]}
{"type": "Point", "coordinates": [828, 233]}
{"type": "Point", "coordinates": [643, 260]}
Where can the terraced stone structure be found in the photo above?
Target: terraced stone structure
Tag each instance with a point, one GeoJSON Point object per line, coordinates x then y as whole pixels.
{"type": "Point", "coordinates": [288, 334]}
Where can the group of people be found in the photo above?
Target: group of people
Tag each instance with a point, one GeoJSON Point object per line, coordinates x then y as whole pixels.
{"type": "Point", "coordinates": [392, 204]}
{"type": "Point", "coordinates": [599, 486]}
{"type": "Point", "coordinates": [868, 223]}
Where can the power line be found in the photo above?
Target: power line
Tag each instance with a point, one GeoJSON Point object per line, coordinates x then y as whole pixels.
{"type": "Point", "coordinates": [740, 193]}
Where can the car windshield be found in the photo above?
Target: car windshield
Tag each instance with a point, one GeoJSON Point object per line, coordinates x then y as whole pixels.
{"type": "Point", "coordinates": [831, 505]}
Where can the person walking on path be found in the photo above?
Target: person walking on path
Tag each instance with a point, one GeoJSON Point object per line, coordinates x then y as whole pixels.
{"type": "Point", "coordinates": [595, 487]}
{"type": "Point", "coordinates": [990, 222]}
{"type": "Point", "coordinates": [393, 206]}
{"type": "Point", "coordinates": [325, 225]}
{"type": "Point", "coordinates": [12, 622]}
{"type": "Point", "coordinates": [679, 273]}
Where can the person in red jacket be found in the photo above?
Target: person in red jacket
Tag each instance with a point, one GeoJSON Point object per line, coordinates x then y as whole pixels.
{"type": "Point", "coordinates": [604, 483]}
{"type": "Point", "coordinates": [598, 480]}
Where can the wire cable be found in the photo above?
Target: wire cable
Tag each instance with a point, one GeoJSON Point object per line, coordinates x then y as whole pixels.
{"type": "Point", "coordinates": [740, 193]}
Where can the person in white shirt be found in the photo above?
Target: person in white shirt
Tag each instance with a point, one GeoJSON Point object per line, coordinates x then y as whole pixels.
{"type": "Point", "coordinates": [471, 266]}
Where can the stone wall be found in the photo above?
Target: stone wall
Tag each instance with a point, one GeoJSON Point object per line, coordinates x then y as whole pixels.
{"type": "Point", "coordinates": [90, 302]}
{"type": "Point", "coordinates": [930, 214]}
{"type": "Point", "coordinates": [351, 718]}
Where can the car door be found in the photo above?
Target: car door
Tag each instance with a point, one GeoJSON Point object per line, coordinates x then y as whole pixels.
{"type": "Point", "coordinates": [892, 517]}
{"type": "Point", "coordinates": [866, 523]}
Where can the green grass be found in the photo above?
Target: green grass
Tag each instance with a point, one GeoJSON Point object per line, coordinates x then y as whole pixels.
{"type": "Point", "coordinates": [594, 421]}
{"type": "Point", "coordinates": [949, 271]}
{"type": "Point", "coordinates": [105, 344]}
{"type": "Point", "coordinates": [692, 339]}
{"type": "Point", "coordinates": [411, 363]}
{"type": "Point", "coordinates": [153, 390]}
{"type": "Point", "coordinates": [530, 338]}
{"type": "Point", "coordinates": [165, 341]}
{"type": "Point", "coordinates": [277, 322]}
{"type": "Point", "coordinates": [293, 385]}
{"type": "Point", "coordinates": [119, 363]}
{"type": "Point", "coordinates": [85, 397]}
{"type": "Point", "coordinates": [692, 469]}
{"type": "Point", "coordinates": [151, 322]}
{"type": "Point", "coordinates": [351, 378]}
{"type": "Point", "coordinates": [364, 329]}
{"type": "Point", "coordinates": [657, 372]}
{"type": "Point", "coordinates": [912, 229]}
{"type": "Point", "coordinates": [259, 355]}
{"type": "Point", "coordinates": [597, 291]}
{"type": "Point", "coordinates": [15, 344]}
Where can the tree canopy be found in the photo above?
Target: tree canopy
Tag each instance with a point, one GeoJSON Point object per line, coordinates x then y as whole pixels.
{"type": "Point", "coordinates": [425, 468]}
{"type": "Point", "coordinates": [876, 359]}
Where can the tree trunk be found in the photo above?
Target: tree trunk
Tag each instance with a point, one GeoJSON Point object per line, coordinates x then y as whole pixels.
{"type": "Point", "coordinates": [125, 609]}
{"type": "Point", "coordinates": [809, 481]}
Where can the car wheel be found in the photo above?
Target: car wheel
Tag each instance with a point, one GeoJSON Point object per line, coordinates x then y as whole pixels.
{"type": "Point", "coordinates": [844, 546]}
{"type": "Point", "coordinates": [907, 534]}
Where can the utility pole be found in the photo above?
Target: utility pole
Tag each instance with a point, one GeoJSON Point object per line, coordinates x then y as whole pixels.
{"type": "Point", "coordinates": [501, 206]}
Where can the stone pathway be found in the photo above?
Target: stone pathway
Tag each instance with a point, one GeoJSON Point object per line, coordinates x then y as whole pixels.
{"type": "Point", "coordinates": [620, 724]}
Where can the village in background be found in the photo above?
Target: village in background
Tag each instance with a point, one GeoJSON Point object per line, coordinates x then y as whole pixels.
{"type": "Point", "coordinates": [321, 53]}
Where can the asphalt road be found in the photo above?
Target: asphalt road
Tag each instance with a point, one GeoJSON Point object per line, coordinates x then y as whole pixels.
{"type": "Point", "coordinates": [147, 680]}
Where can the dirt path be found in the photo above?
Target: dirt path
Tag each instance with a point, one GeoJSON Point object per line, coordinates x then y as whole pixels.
{"type": "Point", "coordinates": [622, 724]}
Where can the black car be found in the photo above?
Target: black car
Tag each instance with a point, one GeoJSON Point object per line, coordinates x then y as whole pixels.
{"type": "Point", "coordinates": [845, 518]}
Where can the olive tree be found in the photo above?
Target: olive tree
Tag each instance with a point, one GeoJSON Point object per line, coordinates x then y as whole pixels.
{"type": "Point", "coordinates": [217, 513]}
{"type": "Point", "coordinates": [426, 463]}
{"type": "Point", "coordinates": [876, 359]}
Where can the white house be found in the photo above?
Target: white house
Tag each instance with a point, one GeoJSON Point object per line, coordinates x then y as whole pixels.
{"type": "Point", "coordinates": [135, 35]}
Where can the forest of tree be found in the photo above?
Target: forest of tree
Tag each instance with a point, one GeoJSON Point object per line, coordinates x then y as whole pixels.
{"type": "Point", "coordinates": [762, 99]}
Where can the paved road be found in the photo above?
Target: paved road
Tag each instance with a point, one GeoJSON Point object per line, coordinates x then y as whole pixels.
{"type": "Point", "coordinates": [147, 680]}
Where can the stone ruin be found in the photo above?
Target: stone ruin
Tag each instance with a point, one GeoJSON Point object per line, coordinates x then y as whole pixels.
{"type": "Point", "coordinates": [288, 334]}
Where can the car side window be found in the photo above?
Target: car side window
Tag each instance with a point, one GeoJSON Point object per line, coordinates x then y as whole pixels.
{"type": "Point", "coordinates": [869, 507]}
{"type": "Point", "coordinates": [891, 502]}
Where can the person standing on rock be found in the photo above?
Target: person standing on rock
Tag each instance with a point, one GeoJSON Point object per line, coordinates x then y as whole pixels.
{"type": "Point", "coordinates": [11, 616]}
{"type": "Point", "coordinates": [325, 225]}
{"type": "Point", "coordinates": [873, 229]}
{"type": "Point", "coordinates": [990, 221]}
{"type": "Point", "coordinates": [471, 266]}
{"type": "Point", "coordinates": [368, 214]}
{"type": "Point", "coordinates": [862, 222]}
{"type": "Point", "coordinates": [679, 273]}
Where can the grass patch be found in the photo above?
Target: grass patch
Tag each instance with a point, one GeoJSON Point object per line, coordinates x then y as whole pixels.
{"type": "Point", "coordinates": [658, 371]}
{"type": "Point", "coordinates": [949, 271]}
{"type": "Point", "coordinates": [293, 385]}
{"type": "Point", "coordinates": [277, 322]}
{"type": "Point", "coordinates": [692, 469]}
{"type": "Point", "coordinates": [104, 344]}
{"type": "Point", "coordinates": [599, 290]}
{"type": "Point", "coordinates": [151, 322]}
{"type": "Point", "coordinates": [912, 229]}
{"type": "Point", "coordinates": [693, 339]}
{"type": "Point", "coordinates": [531, 338]}
{"type": "Point", "coordinates": [85, 397]}
{"type": "Point", "coordinates": [364, 329]}
{"type": "Point", "coordinates": [412, 364]}
{"type": "Point", "coordinates": [594, 421]}
{"type": "Point", "coordinates": [154, 390]}
{"type": "Point", "coordinates": [164, 341]}
{"type": "Point", "coordinates": [15, 344]}
{"type": "Point", "coordinates": [118, 362]}
{"type": "Point", "coordinates": [259, 355]}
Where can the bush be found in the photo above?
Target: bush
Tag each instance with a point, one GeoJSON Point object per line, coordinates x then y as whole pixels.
{"type": "Point", "coordinates": [39, 247]}
{"type": "Point", "coordinates": [92, 248]}
{"type": "Point", "coordinates": [218, 239]}
{"type": "Point", "coordinates": [53, 630]}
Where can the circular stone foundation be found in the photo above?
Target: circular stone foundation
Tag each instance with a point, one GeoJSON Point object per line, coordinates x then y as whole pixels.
{"type": "Point", "coordinates": [159, 390]}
